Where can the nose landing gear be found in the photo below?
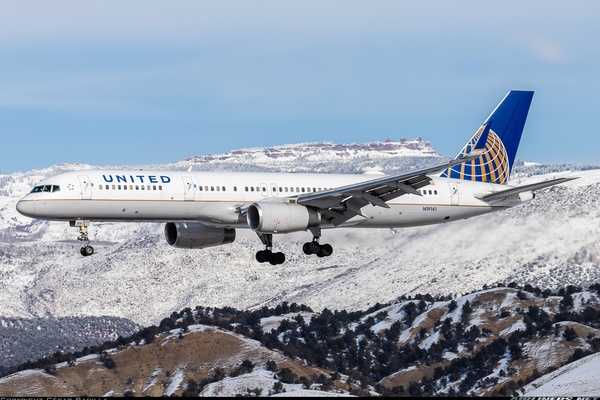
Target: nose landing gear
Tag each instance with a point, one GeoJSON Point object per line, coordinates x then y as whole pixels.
{"type": "Point", "coordinates": [86, 250]}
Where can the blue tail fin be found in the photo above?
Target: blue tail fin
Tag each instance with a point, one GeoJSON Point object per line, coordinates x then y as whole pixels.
{"type": "Point", "coordinates": [498, 138]}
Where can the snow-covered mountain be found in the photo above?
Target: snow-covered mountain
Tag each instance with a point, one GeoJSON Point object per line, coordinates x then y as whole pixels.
{"type": "Point", "coordinates": [551, 241]}
{"type": "Point", "coordinates": [579, 378]}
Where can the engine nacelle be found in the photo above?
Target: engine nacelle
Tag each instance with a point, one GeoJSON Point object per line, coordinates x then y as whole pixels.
{"type": "Point", "coordinates": [192, 235]}
{"type": "Point", "coordinates": [267, 217]}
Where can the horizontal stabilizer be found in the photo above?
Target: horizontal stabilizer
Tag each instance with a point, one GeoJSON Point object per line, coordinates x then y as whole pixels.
{"type": "Point", "coordinates": [524, 188]}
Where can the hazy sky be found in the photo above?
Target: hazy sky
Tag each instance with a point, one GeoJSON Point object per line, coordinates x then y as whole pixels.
{"type": "Point", "coordinates": [149, 82]}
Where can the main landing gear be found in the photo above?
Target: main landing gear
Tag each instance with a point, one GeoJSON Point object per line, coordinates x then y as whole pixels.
{"type": "Point", "coordinates": [314, 247]}
{"type": "Point", "coordinates": [267, 255]}
{"type": "Point", "coordinates": [321, 250]}
{"type": "Point", "coordinates": [86, 250]}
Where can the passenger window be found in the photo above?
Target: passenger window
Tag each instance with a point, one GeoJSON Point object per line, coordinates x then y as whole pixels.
{"type": "Point", "coordinates": [154, 187]}
{"type": "Point", "coordinates": [124, 187]}
{"type": "Point", "coordinates": [235, 188]}
{"type": "Point", "coordinates": [252, 188]}
{"type": "Point", "coordinates": [223, 188]}
{"type": "Point", "coordinates": [435, 192]}
{"type": "Point", "coordinates": [218, 188]}
{"type": "Point", "coordinates": [100, 187]}
{"type": "Point", "coordinates": [159, 187]}
{"type": "Point", "coordinates": [137, 187]}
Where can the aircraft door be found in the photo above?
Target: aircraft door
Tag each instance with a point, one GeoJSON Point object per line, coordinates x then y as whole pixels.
{"type": "Point", "coordinates": [86, 187]}
{"type": "Point", "coordinates": [188, 188]}
{"type": "Point", "coordinates": [454, 193]}
{"type": "Point", "coordinates": [274, 189]}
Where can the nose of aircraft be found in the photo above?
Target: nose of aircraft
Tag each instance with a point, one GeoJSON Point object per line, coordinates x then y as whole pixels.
{"type": "Point", "coordinates": [25, 208]}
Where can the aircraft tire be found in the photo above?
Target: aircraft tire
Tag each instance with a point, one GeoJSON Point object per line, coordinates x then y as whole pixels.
{"type": "Point", "coordinates": [306, 248]}
{"type": "Point", "coordinates": [264, 256]}
{"type": "Point", "coordinates": [314, 247]}
{"type": "Point", "coordinates": [279, 258]}
{"type": "Point", "coordinates": [87, 251]}
{"type": "Point", "coordinates": [326, 250]}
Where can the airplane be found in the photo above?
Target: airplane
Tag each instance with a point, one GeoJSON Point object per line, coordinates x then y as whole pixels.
{"type": "Point", "coordinates": [204, 209]}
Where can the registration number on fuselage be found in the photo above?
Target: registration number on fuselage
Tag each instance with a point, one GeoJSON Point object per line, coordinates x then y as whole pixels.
{"type": "Point", "coordinates": [429, 208]}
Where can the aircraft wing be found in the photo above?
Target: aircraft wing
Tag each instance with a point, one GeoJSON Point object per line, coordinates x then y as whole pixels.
{"type": "Point", "coordinates": [340, 204]}
{"type": "Point", "coordinates": [519, 189]}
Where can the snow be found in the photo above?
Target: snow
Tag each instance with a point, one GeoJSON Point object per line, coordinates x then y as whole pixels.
{"type": "Point", "coordinates": [262, 380]}
{"type": "Point", "coordinates": [549, 242]}
{"type": "Point", "coordinates": [177, 378]}
{"type": "Point", "coordinates": [269, 323]}
{"type": "Point", "coordinates": [579, 378]}
{"type": "Point", "coordinates": [520, 325]}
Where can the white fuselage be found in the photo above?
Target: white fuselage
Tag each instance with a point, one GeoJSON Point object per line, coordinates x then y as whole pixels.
{"type": "Point", "coordinates": [220, 199]}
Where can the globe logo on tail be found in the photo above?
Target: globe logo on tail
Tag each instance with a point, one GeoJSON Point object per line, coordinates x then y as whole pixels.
{"type": "Point", "coordinates": [492, 166]}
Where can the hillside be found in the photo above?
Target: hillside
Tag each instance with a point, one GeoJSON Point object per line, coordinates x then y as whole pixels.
{"type": "Point", "coordinates": [550, 242]}
{"type": "Point", "coordinates": [488, 343]}
{"type": "Point", "coordinates": [25, 339]}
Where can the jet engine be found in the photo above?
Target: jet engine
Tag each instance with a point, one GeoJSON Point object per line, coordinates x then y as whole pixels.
{"type": "Point", "coordinates": [270, 217]}
{"type": "Point", "coordinates": [192, 235]}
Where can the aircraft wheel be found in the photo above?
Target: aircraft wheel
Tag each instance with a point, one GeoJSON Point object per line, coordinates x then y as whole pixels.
{"type": "Point", "coordinates": [314, 247]}
{"type": "Point", "coordinates": [325, 251]}
{"type": "Point", "coordinates": [87, 251]}
{"type": "Point", "coordinates": [278, 258]}
{"type": "Point", "coordinates": [306, 248]}
{"type": "Point", "coordinates": [264, 256]}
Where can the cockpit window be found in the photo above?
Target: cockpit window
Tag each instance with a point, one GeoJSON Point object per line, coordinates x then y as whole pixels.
{"type": "Point", "coordinates": [45, 188]}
